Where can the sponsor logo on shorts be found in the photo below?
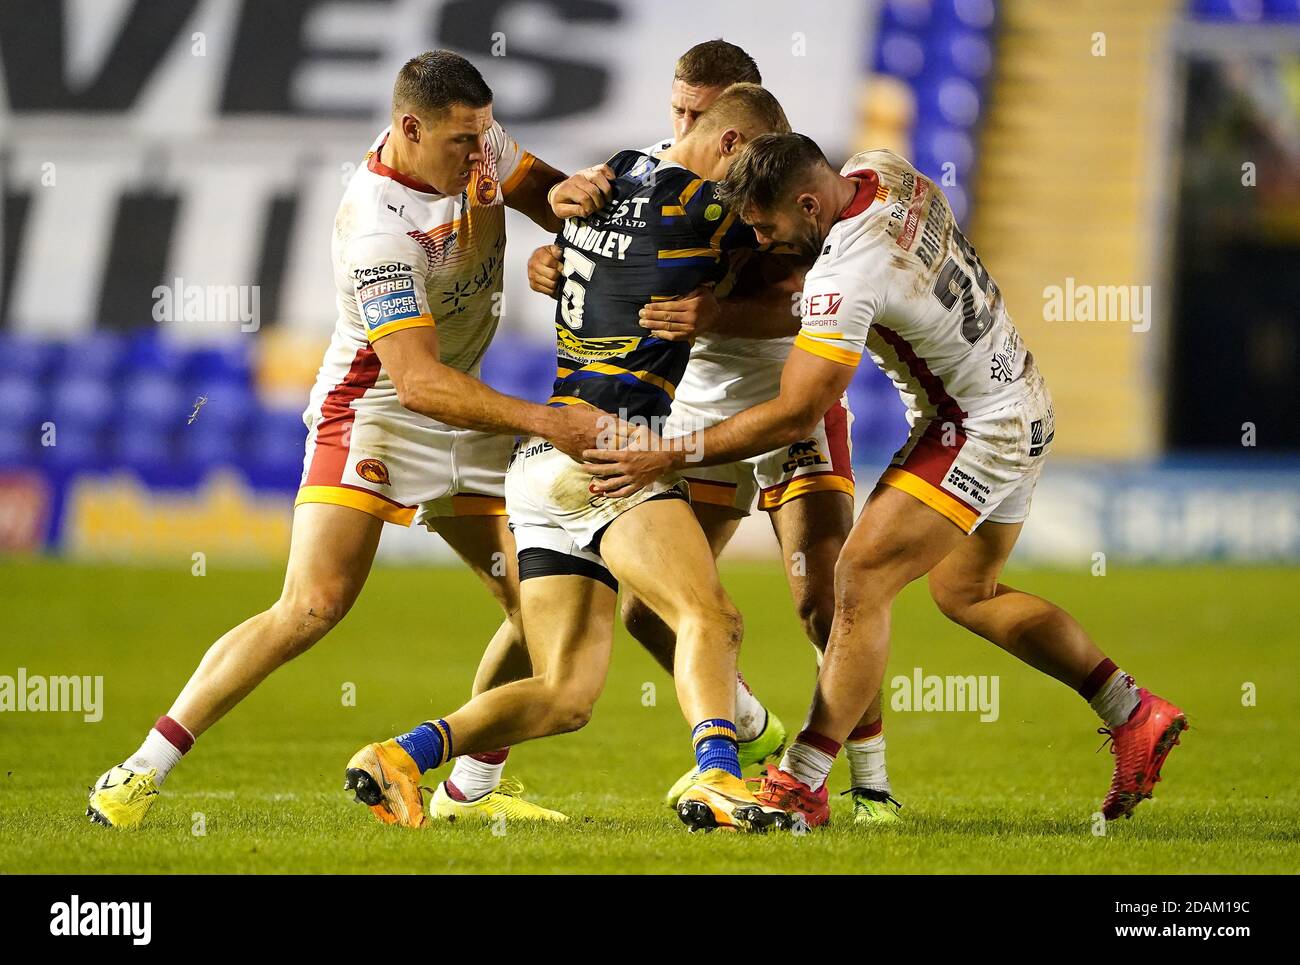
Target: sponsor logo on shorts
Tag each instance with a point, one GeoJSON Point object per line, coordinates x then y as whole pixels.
{"type": "Point", "coordinates": [1039, 437]}
{"type": "Point", "coordinates": [391, 304]}
{"type": "Point", "coordinates": [804, 455]}
{"type": "Point", "coordinates": [486, 190]}
{"type": "Point", "coordinates": [966, 484]}
{"type": "Point", "coordinates": [372, 470]}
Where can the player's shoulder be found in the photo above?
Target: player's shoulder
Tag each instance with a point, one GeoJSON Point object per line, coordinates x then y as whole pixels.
{"type": "Point", "coordinates": [886, 164]}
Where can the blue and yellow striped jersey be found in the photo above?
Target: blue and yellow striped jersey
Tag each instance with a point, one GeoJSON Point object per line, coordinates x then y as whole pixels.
{"type": "Point", "coordinates": [661, 234]}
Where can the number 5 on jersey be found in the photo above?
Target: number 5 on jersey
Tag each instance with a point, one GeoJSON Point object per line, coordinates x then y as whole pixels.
{"type": "Point", "coordinates": [576, 265]}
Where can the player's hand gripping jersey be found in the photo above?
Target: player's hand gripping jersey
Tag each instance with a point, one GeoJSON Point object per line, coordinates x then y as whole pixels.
{"type": "Point", "coordinates": [406, 256]}
{"type": "Point", "coordinates": [728, 374]}
{"type": "Point", "coordinates": [661, 234]}
{"type": "Point", "coordinates": [897, 280]}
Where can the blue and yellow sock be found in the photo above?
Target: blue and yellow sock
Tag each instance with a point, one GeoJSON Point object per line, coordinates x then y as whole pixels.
{"type": "Point", "coordinates": [715, 746]}
{"type": "Point", "coordinates": [429, 744]}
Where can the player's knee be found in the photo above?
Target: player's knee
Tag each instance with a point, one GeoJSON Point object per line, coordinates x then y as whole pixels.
{"type": "Point", "coordinates": [308, 616]}
{"type": "Point", "coordinates": [861, 581]}
{"type": "Point", "coordinates": [571, 703]}
{"type": "Point", "coordinates": [642, 622]}
{"type": "Point", "coordinates": [815, 607]}
{"type": "Point", "coordinates": [953, 600]}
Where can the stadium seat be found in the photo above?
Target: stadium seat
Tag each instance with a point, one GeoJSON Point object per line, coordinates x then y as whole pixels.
{"type": "Point", "coordinates": [21, 399]}
{"type": "Point", "coordinates": [97, 355]}
{"type": "Point", "coordinates": [30, 356]}
{"type": "Point", "coordinates": [84, 400]}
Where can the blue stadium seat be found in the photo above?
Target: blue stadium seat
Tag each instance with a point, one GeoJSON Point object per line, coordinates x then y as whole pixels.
{"type": "Point", "coordinates": [273, 449]}
{"type": "Point", "coordinates": [208, 445]}
{"type": "Point", "coordinates": [77, 448]}
{"type": "Point", "coordinates": [155, 402]}
{"type": "Point", "coordinates": [900, 53]}
{"type": "Point", "coordinates": [81, 400]}
{"type": "Point", "coordinates": [908, 14]}
{"type": "Point", "coordinates": [149, 352]}
{"type": "Point", "coordinates": [970, 14]}
{"type": "Point", "coordinates": [97, 355]}
{"type": "Point", "coordinates": [28, 356]}
{"type": "Point", "coordinates": [17, 447]}
{"type": "Point", "coordinates": [1230, 11]}
{"type": "Point", "coordinates": [21, 399]}
{"type": "Point", "coordinates": [226, 363]}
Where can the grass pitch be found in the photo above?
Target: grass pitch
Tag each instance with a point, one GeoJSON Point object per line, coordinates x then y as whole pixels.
{"type": "Point", "coordinates": [1014, 795]}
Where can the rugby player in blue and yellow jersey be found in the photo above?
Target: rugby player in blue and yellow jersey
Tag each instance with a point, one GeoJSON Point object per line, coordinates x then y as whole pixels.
{"type": "Point", "coordinates": [661, 234]}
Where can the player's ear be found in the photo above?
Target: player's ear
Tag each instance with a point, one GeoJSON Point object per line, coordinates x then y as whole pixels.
{"type": "Point", "coordinates": [809, 204]}
{"type": "Point", "coordinates": [411, 128]}
{"type": "Point", "coordinates": [731, 142]}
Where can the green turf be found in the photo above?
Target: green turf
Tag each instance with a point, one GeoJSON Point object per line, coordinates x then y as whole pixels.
{"type": "Point", "coordinates": [1014, 795]}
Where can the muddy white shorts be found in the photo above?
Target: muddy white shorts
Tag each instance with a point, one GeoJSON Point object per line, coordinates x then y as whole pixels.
{"type": "Point", "coordinates": [551, 505]}
{"type": "Point", "coordinates": [983, 466]}
{"type": "Point", "coordinates": [398, 467]}
{"type": "Point", "coordinates": [821, 463]}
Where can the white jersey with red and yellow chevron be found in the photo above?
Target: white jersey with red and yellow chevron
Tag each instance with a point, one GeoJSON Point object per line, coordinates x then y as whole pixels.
{"type": "Point", "coordinates": [407, 256]}
{"type": "Point", "coordinates": [897, 279]}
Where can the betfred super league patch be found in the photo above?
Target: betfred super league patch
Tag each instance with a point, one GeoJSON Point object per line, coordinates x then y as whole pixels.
{"type": "Point", "coordinates": [388, 300]}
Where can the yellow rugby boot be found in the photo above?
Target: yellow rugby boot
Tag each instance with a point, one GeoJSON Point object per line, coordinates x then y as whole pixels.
{"type": "Point", "coordinates": [719, 800]}
{"type": "Point", "coordinates": [122, 797]}
{"type": "Point", "coordinates": [874, 807]}
{"type": "Point", "coordinates": [506, 801]}
{"type": "Point", "coordinates": [386, 779]}
{"type": "Point", "coordinates": [763, 749]}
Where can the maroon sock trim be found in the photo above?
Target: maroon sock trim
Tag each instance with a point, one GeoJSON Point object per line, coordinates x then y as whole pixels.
{"type": "Point", "coordinates": [453, 792]}
{"type": "Point", "coordinates": [1097, 679]}
{"type": "Point", "coordinates": [492, 757]}
{"type": "Point", "coordinates": [868, 731]}
{"type": "Point", "coordinates": [819, 741]}
{"type": "Point", "coordinates": [174, 733]}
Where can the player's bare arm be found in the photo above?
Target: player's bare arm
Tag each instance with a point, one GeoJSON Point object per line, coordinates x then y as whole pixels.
{"type": "Point", "coordinates": [427, 386]}
{"type": "Point", "coordinates": [763, 305]}
{"type": "Point", "coordinates": [582, 194]}
{"type": "Point", "coordinates": [810, 384]}
{"type": "Point", "coordinates": [533, 194]}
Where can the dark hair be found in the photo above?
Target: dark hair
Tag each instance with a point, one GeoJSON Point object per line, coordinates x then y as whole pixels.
{"type": "Point", "coordinates": [766, 169]}
{"type": "Point", "coordinates": [436, 79]}
{"type": "Point", "coordinates": [716, 63]}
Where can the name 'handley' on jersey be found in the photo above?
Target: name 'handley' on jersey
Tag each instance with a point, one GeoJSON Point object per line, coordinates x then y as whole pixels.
{"type": "Point", "coordinates": [897, 278]}
{"type": "Point", "coordinates": [660, 234]}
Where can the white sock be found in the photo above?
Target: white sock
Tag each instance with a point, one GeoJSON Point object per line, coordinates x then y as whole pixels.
{"type": "Point", "coordinates": [751, 716]}
{"type": "Point", "coordinates": [1116, 700]}
{"type": "Point", "coordinates": [156, 752]}
{"type": "Point", "coordinates": [475, 778]}
{"type": "Point", "coordinates": [867, 763]}
{"type": "Point", "coordinates": [806, 763]}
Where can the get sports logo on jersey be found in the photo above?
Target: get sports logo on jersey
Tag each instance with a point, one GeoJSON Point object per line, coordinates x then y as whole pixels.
{"type": "Point", "coordinates": [388, 300]}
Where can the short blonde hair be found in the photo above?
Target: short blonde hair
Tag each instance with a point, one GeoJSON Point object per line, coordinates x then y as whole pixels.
{"type": "Point", "coordinates": [748, 108]}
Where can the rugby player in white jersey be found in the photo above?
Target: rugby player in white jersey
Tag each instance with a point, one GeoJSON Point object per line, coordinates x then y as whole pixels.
{"type": "Point", "coordinates": [896, 279]}
{"type": "Point", "coordinates": [740, 344]}
{"type": "Point", "coordinates": [400, 427]}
